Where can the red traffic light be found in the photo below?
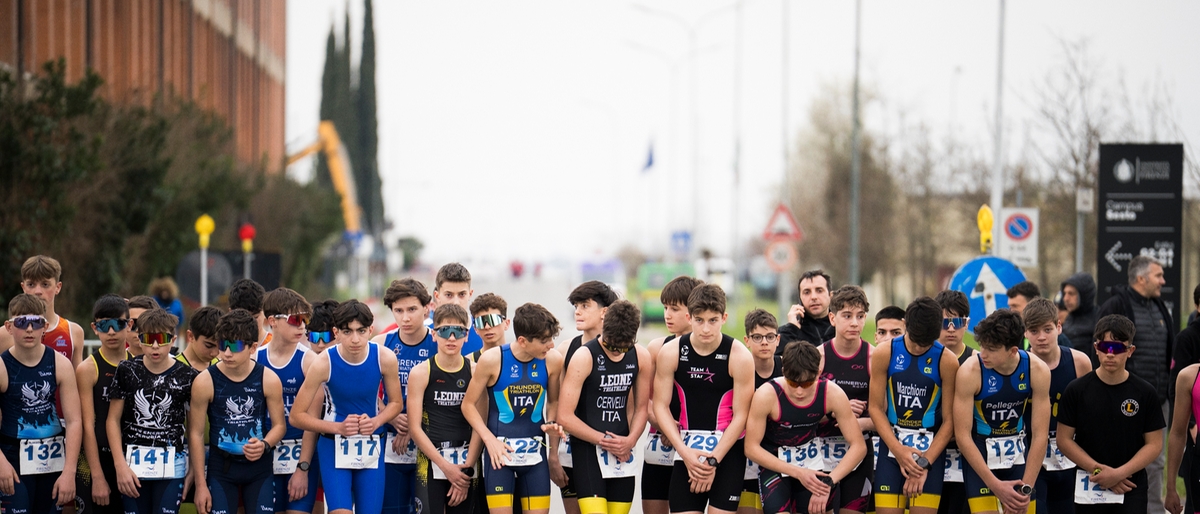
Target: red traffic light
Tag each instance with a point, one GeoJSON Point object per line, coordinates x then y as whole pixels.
{"type": "Point", "coordinates": [246, 232]}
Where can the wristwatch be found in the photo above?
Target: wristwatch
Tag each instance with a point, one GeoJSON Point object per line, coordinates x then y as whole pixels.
{"type": "Point", "coordinates": [826, 479]}
{"type": "Point", "coordinates": [469, 471]}
{"type": "Point", "coordinates": [711, 461]}
{"type": "Point", "coordinates": [924, 463]}
{"type": "Point", "coordinates": [1024, 489]}
{"type": "Point", "coordinates": [268, 447]}
{"type": "Point", "coordinates": [303, 466]}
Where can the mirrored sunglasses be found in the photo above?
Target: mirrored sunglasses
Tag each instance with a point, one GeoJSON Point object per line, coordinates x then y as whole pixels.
{"type": "Point", "coordinates": [451, 331]}
{"type": "Point", "coordinates": [1113, 347]}
{"type": "Point", "coordinates": [295, 320]}
{"type": "Point", "coordinates": [156, 340]}
{"type": "Point", "coordinates": [616, 350]}
{"type": "Point", "coordinates": [319, 337]}
{"type": "Point", "coordinates": [29, 320]}
{"type": "Point", "coordinates": [106, 325]}
{"type": "Point", "coordinates": [488, 321]}
{"type": "Point", "coordinates": [235, 345]}
{"type": "Point", "coordinates": [955, 323]}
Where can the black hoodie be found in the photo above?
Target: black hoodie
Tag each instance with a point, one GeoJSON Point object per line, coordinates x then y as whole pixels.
{"type": "Point", "coordinates": [1081, 322]}
{"type": "Point", "coordinates": [813, 330]}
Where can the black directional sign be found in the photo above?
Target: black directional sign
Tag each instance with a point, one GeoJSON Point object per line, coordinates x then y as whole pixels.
{"type": "Point", "coordinates": [1140, 213]}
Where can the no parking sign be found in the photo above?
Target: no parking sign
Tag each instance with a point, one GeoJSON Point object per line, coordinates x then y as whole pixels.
{"type": "Point", "coordinates": [1019, 236]}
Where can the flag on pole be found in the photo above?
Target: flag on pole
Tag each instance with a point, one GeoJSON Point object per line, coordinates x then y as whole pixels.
{"type": "Point", "coordinates": [649, 159]}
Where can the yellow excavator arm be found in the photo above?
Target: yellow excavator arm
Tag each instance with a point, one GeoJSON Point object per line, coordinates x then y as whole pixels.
{"type": "Point", "coordinates": [338, 162]}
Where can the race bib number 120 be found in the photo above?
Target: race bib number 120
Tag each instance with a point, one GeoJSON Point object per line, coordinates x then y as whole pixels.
{"type": "Point", "coordinates": [1005, 452]}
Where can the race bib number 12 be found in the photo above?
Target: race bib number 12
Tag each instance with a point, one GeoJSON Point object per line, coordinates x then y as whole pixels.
{"type": "Point", "coordinates": [1088, 492]}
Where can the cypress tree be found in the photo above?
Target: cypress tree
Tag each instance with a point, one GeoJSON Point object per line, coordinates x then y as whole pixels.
{"type": "Point", "coordinates": [327, 101]}
{"type": "Point", "coordinates": [367, 171]}
{"type": "Point", "coordinates": [344, 115]}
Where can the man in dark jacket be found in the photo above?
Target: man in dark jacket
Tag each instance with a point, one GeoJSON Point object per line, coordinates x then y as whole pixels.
{"type": "Point", "coordinates": [1079, 296]}
{"type": "Point", "coordinates": [1187, 342]}
{"type": "Point", "coordinates": [1154, 338]}
{"type": "Point", "coordinates": [809, 320]}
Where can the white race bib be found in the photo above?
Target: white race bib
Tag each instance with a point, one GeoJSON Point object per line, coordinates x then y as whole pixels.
{"type": "Point", "coordinates": [457, 456]}
{"type": "Point", "coordinates": [391, 457]}
{"type": "Point", "coordinates": [1005, 452]}
{"type": "Point", "coordinates": [151, 462]}
{"type": "Point", "coordinates": [807, 456]}
{"type": "Point", "coordinates": [954, 466]}
{"type": "Point", "coordinates": [287, 456]}
{"type": "Point", "coordinates": [658, 450]}
{"type": "Point", "coordinates": [564, 453]}
{"type": "Point", "coordinates": [833, 449]}
{"type": "Point", "coordinates": [919, 438]}
{"type": "Point", "coordinates": [1090, 493]}
{"type": "Point", "coordinates": [703, 441]}
{"type": "Point", "coordinates": [40, 456]}
{"type": "Point", "coordinates": [751, 470]}
{"type": "Point", "coordinates": [526, 451]}
{"type": "Point", "coordinates": [612, 467]}
{"type": "Point", "coordinates": [356, 452]}
{"type": "Point", "coordinates": [1055, 460]}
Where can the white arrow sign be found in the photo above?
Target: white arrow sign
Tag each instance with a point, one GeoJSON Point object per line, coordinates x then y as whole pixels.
{"type": "Point", "coordinates": [1112, 256]}
{"type": "Point", "coordinates": [988, 285]}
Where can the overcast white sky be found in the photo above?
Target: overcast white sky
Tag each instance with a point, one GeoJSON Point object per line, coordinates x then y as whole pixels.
{"type": "Point", "coordinates": [519, 129]}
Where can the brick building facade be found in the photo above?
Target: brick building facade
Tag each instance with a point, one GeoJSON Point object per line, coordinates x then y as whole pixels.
{"type": "Point", "coordinates": [228, 55]}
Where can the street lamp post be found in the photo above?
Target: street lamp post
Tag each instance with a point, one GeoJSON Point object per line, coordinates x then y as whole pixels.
{"type": "Point", "coordinates": [204, 228]}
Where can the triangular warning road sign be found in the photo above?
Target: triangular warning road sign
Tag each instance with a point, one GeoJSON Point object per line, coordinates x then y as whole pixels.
{"type": "Point", "coordinates": [782, 225]}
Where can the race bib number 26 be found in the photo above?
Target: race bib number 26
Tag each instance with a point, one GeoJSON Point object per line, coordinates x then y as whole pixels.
{"type": "Point", "coordinates": [287, 456]}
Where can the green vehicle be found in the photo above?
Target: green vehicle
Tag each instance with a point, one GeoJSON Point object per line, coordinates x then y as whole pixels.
{"type": "Point", "coordinates": [651, 278]}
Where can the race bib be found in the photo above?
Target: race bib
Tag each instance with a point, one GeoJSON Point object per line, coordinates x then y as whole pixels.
{"type": "Point", "coordinates": [807, 456]}
{"type": "Point", "coordinates": [612, 467]}
{"type": "Point", "coordinates": [1090, 493]}
{"type": "Point", "coordinates": [456, 455]}
{"type": "Point", "coordinates": [526, 451]}
{"type": "Point", "coordinates": [832, 451]}
{"type": "Point", "coordinates": [703, 441]}
{"type": "Point", "coordinates": [391, 457]}
{"type": "Point", "coordinates": [151, 462]}
{"type": "Point", "coordinates": [919, 439]}
{"type": "Point", "coordinates": [356, 452]}
{"type": "Point", "coordinates": [40, 456]}
{"type": "Point", "coordinates": [564, 453]}
{"type": "Point", "coordinates": [658, 451]}
{"type": "Point", "coordinates": [1055, 460]}
{"type": "Point", "coordinates": [954, 466]}
{"type": "Point", "coordinates": [751, 470]}
{"type": "Point", "coordinates": [1005, 452]}
{"type": "Point", "coordinates": [287, 456]}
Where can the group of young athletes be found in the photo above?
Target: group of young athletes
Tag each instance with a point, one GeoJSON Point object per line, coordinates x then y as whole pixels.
{"type": "Point", "coordinates": [280, 405]}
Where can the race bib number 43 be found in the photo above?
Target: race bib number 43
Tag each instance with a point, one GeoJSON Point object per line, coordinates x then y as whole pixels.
{"type": "Point", "coordinates": [287, 456]}
{"type": "Point", "coordinates": [919, 439]}
{"type": "Point", "coordinates": [356, 452]}
{"type": "Point", "coordinates": [151, 462]}
{"type": "Point", "coordinates": [40, 456]}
